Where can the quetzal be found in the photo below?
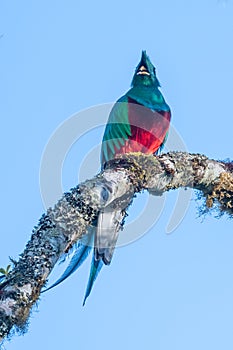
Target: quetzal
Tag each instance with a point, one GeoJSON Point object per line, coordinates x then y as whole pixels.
{"type": "Point", "coordinates": [138, 122]}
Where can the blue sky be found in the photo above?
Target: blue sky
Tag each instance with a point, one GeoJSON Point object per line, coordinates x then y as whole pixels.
{"type": "Point", "coordinates": [57, 58]}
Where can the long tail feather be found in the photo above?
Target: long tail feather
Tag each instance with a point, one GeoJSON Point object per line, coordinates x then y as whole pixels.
{"type": "Point", "coordinates": [96, 266]}
{"type": "Point", "coordinates": [109, 224]}
{"type": "Point", "coordinates": [82, 252]}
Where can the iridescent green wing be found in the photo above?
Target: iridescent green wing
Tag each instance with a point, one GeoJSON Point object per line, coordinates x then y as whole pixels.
{"type": "Point", "coordinates": [117, 130]}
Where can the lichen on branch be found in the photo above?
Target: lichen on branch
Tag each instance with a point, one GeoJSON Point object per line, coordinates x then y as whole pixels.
{"type": "Point", "coordinates": [64, 224]}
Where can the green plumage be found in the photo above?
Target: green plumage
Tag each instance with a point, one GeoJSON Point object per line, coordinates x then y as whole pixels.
{"type": "Point", "coordinates": [120, 127]}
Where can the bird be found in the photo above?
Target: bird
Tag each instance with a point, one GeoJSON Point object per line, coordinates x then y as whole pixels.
{"type": "Point", "coordinates": [138, 122]}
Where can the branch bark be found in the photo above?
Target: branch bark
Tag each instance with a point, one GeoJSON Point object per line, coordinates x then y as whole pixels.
{"type": "Point", "coordinates": [60, 228]}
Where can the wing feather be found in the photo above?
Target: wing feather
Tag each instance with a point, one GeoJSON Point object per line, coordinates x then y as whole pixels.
{"type": "Point", "coordinates": [117, 130]}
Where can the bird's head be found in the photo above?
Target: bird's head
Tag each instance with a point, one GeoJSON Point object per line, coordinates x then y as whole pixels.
{"type": "Point", "coordinates": [145, 73]}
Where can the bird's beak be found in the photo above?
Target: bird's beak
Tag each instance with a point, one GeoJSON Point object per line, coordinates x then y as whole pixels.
{"type": "Point", "coordinates": [142, 70]}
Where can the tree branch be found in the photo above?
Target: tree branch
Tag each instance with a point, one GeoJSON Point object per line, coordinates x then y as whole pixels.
{"type": "Point", "coordinates": [63, 225]}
